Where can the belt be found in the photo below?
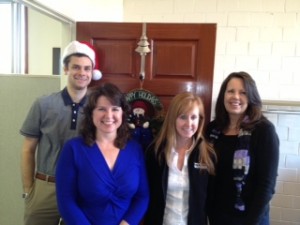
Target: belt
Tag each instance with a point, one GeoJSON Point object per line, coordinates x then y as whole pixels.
{"type": "Point", "coordinates": [45, 177]}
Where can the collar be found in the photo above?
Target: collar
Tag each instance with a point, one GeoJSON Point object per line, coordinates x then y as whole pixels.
{"type": "Point", "coordinates": [68, 100]}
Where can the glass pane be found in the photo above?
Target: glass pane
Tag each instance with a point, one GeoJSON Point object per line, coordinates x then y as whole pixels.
{"type": "Point", "coordinates": [6, 38]}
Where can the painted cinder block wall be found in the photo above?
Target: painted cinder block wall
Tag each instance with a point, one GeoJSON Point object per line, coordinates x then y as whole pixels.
{"type": "Point", "coordinates": [285, 205]}
{"type": "Point", "coordinates": [261, 37]}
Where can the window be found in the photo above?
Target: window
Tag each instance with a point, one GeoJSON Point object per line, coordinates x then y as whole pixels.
{"type": "Point", "coordinates": [12, 44]}
{"type": "Point", "coordinates": [26, 46]}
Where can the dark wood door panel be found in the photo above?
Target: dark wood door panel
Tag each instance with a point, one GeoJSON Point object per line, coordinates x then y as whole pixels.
{"type": "Point", "coordinates": [120, 51]}
{"type": "Point", "coordinates": [181, 63]}
{"type": "Point", "coordinates": [117, 31]}
{"type": "Point", "coordinates": [125, 85]}
{"type": "Point", "coordinates": [181, 57]}
{"type": "Point", "coordinates": [115, 44]}
{"type": "Point", "coordinates": [170, 87]}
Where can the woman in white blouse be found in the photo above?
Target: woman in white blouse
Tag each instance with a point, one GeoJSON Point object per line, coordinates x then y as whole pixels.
{"type": "Point", "coordinates": [179, 164]}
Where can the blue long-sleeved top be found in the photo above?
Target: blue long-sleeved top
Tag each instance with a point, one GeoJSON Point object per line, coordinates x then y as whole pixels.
{"type": "Point", "coordinates": [89, 193]}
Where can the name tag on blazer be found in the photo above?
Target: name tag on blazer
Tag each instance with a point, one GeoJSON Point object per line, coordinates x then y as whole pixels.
{"type": "Point", "coordinates": [200, 166]}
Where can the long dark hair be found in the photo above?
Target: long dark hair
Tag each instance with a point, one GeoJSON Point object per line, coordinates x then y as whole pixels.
{"type": "Point", "coordinates": [253, 111]}
{"type": "Point", "coordinates": [116, 97]}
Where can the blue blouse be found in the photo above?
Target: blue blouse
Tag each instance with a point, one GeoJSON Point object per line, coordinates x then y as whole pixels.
{"type": "Point", "coordinates": [89, 193]}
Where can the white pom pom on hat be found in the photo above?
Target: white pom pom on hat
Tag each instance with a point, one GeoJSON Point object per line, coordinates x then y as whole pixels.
{"type": "Point", "coordinates": [97, 74]}
{"type": "Point", "coordinates": [86, 49]}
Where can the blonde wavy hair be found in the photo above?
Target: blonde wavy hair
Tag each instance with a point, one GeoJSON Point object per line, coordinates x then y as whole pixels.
{"type": "Point", "coordinates": [183, 103]}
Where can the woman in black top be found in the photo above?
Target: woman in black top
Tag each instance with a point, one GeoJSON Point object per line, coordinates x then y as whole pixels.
{"type": "Point", "coordinates": [247, 149]}
{"type": "Point", "coordinates": [179, 165]}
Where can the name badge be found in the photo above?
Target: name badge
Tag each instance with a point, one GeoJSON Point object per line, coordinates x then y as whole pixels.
{"type": "Point", "coordinates": [200, 166]}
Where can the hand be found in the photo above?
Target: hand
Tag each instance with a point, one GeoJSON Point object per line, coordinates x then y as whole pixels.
{"type": "Point", "coordinates": [123, 222]}
{"type": "Point", "coordinates": [146, 124]}
{"type": "Point", "coordinates": [27, 189]}
{"type": "Point", "coordinates": [131, 125]}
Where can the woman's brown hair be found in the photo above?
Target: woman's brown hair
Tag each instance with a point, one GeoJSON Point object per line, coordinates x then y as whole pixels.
{"type": "Point", "coordinates": [117, 98]}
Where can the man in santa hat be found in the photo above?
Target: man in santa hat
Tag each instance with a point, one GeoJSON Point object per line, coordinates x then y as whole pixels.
{"type": "Point", "coordinates": [51, 121]}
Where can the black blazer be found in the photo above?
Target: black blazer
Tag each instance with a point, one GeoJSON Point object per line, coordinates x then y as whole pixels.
{"type": "Point", "coordinates": [158, 182]}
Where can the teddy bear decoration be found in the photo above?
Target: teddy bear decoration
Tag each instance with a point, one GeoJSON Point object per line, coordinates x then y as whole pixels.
{"type": "Point", "coordinates": [146, 116]}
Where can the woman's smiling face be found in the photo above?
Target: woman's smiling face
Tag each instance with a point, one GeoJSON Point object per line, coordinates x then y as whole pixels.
{"type": "Point", "coordinates": [235, 97]}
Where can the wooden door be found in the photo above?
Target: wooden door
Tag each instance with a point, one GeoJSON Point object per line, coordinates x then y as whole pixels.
{"type": "Point", "coordinates": [181, 57]}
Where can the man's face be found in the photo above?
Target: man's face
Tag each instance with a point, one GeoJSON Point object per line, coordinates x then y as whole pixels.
{"type": "Point", "coordinates": [79, 72]}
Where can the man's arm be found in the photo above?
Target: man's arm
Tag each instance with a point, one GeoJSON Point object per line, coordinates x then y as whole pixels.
{"type": "Point", "coordinates": [28, 162]}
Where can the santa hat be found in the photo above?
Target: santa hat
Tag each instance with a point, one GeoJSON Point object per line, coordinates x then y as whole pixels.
{"type": "Point", "coordinates": [86, 49]}
{"type": "Point", "coordinates": [140, 104]}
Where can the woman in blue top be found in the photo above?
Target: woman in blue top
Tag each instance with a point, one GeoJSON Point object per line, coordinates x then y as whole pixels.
{"type": "Point", "coordinates": [101, 177]}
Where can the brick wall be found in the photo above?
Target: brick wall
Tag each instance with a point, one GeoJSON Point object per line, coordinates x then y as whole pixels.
{"type": "Point", "coordinates": [285, 205]}
{"type": "Point", "coordinates": [261, 37]}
